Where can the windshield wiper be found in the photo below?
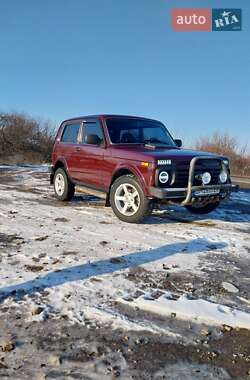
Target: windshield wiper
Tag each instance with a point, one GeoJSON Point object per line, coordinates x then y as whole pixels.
{"type": "Point", "coordinates": [154, 140]}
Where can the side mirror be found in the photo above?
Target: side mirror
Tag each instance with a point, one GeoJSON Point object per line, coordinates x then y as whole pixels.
{"type": "Point", "coordinates": [93, 140]}
{"type": "Point", "coordinates": [178, 142]}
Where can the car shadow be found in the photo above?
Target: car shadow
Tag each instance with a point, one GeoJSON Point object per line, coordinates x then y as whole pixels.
{"type": "Point", "coordinates": [106, 266]}
{"type": "Point", "coordinates": [230, 210]}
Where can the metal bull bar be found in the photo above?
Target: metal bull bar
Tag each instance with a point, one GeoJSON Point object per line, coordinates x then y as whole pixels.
{"type": "Point", "coordinates": [192, 188]}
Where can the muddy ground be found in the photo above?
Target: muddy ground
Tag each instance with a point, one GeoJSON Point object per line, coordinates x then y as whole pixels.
{"type": "Point", "coordinates": [58, 350]}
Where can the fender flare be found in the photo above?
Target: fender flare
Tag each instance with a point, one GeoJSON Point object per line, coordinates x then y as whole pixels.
{"type": "Point", "coordinates": [134, 171]}
{"type": "Point", "coordinates": [65, 166]}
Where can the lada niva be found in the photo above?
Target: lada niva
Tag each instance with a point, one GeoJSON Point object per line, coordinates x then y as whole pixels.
{"type": "Point", "coordinates": [136, 162]}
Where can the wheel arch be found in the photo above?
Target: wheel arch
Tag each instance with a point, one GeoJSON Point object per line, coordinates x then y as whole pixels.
{"type": "Point", "coordinates": [60, 163]}
{"type": "Point", "coordinates": [125, 170]}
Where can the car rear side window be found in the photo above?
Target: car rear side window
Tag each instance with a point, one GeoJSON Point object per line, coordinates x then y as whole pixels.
{"type": "Point", "coordinates": [92, 128]}
{"type": "Point", "coordinates": [70, 133]}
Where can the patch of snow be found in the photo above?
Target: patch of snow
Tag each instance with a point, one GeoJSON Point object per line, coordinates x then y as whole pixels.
{"type": "Point", "coordinates": [118, 321]}
{"type": "Point", "coordinates": [195, 310]}
{"type": "Point", "coordinates": [243, 196]}
{"type": "Point", "coordinates": [229, 287]}
{"type": "Point", "coordinates": [188, 371]}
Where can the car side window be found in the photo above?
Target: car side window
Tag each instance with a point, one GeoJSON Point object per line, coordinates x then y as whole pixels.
{"type": "Point", "coordinates": [92, 128]}
{"type": "Point", "coordinates": [70, 133]}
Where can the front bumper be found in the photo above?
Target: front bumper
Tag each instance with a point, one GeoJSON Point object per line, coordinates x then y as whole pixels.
{"type": "Point", "coordinates": [194, 194]}
{"type": "Point", "coordinates": [217, 191]}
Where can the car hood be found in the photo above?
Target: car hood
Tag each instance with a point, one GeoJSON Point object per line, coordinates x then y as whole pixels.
{"type": "Point", "coordinates": [140, 153]}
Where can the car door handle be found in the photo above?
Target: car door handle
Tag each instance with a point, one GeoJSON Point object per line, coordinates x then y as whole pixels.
{"type": "Point", "coordinates": [78, 149]}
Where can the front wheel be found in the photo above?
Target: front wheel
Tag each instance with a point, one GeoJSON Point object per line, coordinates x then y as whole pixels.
{"type": "Point", "coordinates": [64, 189]}
{"type": "Point", "coordinates": [202, 209]}
{"type": "Point", "coordinates": [127, 199]}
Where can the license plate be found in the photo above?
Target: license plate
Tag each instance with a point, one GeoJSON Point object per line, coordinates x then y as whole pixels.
{"type": "Point", "coordinates": [205, 192]}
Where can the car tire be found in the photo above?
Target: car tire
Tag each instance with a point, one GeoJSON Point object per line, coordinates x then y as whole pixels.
{"type": "Point", "coordinates": [128, 200]}
{"type": "Point", "coordinates": [200, 210]}
{"type": "Point", "coordinates": [63, 187]}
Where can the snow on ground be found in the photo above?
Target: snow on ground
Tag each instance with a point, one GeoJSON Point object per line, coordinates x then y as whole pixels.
{"type": "Point", "coordinates": [197, 310]}
{"type": "Point", "coordinates": [75, 259]}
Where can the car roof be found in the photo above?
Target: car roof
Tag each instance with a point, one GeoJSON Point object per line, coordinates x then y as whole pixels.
{"type": "Point", "coordinates": [106, 116]}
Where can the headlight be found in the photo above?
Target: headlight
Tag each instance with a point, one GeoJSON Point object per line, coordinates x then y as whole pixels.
{"type": "Point", "coordinates": [163, 177]}
{"type": "Point", "coordinates": [206, 178]}
{"type": "Point", "coordinates": [226, 162]}
{"type": "Point", "coordinates": [223, 176]}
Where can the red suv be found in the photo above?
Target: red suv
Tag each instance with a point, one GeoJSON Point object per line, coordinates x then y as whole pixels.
{"type": "Point", "coordinates": [136, 163]}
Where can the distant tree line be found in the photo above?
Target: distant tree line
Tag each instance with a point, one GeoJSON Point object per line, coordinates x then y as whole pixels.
{"type": "Point", "coordinates": [24, 139]}
{"type": "Point", "coordinates": [229, 146]}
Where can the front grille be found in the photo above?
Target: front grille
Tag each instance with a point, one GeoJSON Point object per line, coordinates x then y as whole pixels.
{"type": "Point", "coordinates": [180, 172]}
{"type": "Point", "coordinates": [211, 166]}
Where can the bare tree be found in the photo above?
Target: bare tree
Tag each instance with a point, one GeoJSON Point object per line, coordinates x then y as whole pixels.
{"type": "Point", "coordinates": [229, 146]}
{"type": "Point", "coordinates": [26, 137]}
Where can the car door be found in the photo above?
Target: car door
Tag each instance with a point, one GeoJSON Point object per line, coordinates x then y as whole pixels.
{"type": "Point", "coordinates": [91, 156]}
{"type": "Point", "coordinates": [69, 147]}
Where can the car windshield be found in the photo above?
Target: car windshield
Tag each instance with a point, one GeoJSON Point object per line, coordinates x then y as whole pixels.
{"type": "Point", "coordinates": [138, 131]}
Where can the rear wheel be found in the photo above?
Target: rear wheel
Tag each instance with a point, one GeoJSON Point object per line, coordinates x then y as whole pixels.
{"type": "Point", "coordinates": [63, 187]}
{"type": "Point", "coordinates": [127, 199]}
{"type": "Point", "coordinates": [202, 209]}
